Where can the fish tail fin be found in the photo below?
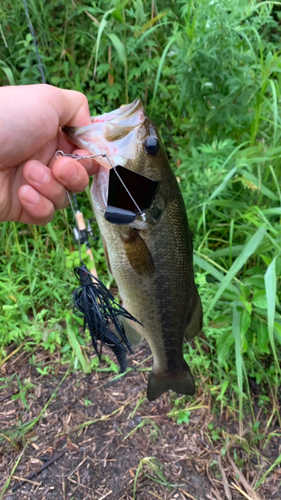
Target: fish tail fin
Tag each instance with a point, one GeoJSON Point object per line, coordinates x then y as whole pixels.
{"type": "Point", "coordinates": [181, 382]}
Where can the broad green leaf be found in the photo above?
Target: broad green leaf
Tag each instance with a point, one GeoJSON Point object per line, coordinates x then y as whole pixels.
{"type": "Point", "coordinates": [259, 299]}
{"type": "Point", "coordinates": [263, 338]}
{"type": "Point", "coordinates": [245, 322]}
{"type": "Point", "coordinates": [224, 348]}
{"type": "Point", "coordinates": [117, 14]}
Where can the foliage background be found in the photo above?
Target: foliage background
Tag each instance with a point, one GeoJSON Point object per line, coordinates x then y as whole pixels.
{"type": "Point", "coordinates": [209, 75]}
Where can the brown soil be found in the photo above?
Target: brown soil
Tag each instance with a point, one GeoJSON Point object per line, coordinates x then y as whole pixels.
{"type": "Point", "coordinates": [106, 437]}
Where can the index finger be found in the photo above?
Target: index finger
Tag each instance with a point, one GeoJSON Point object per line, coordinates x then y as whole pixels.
{"type": "Point", "coordinates": [70, 106]}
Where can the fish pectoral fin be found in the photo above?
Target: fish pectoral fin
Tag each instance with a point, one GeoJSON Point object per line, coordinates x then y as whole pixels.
{"type": "Point", "coordinates": [138, 253]}
{"type": "Point", "coordinates": [195, 319]}
{"type": "Point", "coordinates": [132, 334]}
{"type": "Point", "coordinates": [181, 382]}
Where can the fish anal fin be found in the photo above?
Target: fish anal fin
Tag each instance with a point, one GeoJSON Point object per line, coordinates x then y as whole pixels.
{"type": "Point", "coordinates": [181, 382]}
{"type": "Point", "coordinates": [131, 332]}
{"type": "Point", "coordinates": [196, 318]}
{"type": "Point", "coordinates": [138, 253]}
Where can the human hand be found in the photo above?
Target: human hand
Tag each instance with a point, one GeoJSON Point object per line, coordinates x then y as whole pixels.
{"type": "Point", "coordinates": [32, 180]}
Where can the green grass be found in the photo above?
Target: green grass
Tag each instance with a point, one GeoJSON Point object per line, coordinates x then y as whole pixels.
{"type": "Point", "coordinates": [209, 75]}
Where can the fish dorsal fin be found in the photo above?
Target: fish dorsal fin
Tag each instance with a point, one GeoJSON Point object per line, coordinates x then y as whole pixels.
{"type": "Point", "coordinates": [138, 253]}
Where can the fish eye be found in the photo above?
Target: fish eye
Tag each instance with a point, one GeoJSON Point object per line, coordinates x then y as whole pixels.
{"type": "Point", "coordinates": [151, 146]}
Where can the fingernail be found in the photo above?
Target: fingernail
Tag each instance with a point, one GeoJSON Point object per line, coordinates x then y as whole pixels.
{"type": "Point", "coordinates": [30, 195]}
{"type": "Point", "coordinates": [39, 174]}
{"type": "Point", "coordinates": [68, 171]}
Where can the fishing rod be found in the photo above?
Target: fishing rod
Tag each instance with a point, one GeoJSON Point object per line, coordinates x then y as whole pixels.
{"type": "Point", "coordinates": [81, 233]}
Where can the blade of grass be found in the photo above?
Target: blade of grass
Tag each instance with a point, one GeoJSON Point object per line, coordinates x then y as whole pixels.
{"type": "Point", "coordinates": [147, 33]}
{"type": "Point", "coordinates": [263, 478]}
{"type": "Point", "coordinates": [270, 289]}
{"type": "Point", "coordinates": [100, 32]}
{"type": "Point", "coordinates": [76, 347]}
{"type": "Point", "coordinates": [159, 71]}
{"type": "Point", "coordinates": [152, 21]}
{"type": "Point", "coordinates": [28, 426]}
{"type": "Point", "coordinates": [276, 181]}
{"type": "Point", "coordinates": [246, 253]}
{"type": "Point", "coordinates": [229, 175]}
{"type": "Point", "coordinates": [8, 72]}
{"type": "Point", "coordinates": [275, 110]}
{"type": "Point", "coordinates": [6, 485]}
{"type": "Point", "coordinates": [119, 47]}
{"type": "Point", "coordinates": [236, 318]}
{"type": "Point", "coordinates": [201, 262]}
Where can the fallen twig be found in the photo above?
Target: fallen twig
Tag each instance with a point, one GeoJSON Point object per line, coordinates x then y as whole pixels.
{"type": "Point", "coordinates": [187, 495]}
{"type": "Point", "coordinates": [8, 396]}
{"type": "Point", "coordinates": [244, 481]}
{"type": "Point", "coordinates": [43, 467]}
{"type": "Point", "coordinates": [224, 480]}
{"type": "Point", "coordinates": [242, 492]}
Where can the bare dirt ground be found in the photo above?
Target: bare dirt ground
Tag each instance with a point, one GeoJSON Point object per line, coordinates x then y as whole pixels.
{"type": "Point", "coordinates": [91, 437]}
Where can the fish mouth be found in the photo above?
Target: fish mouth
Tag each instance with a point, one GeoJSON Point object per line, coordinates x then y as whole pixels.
{"type": "Point", "coordinates": [112, 136]}
{"type": "Point", "coordinates": [122, 113]}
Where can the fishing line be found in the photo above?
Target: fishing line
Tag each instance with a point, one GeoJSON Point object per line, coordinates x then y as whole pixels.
{"type": "Point", "coordinates": [74, 215]}
{"type": "Point", "coordinates": [34, 40]}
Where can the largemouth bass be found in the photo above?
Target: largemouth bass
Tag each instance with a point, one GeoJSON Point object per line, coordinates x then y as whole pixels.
{"type": "Point", "coordinates": [151, 258]}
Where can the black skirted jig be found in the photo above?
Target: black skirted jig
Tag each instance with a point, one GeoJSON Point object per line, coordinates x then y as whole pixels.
{"type": "Point", "coordinates": [102, 315]}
